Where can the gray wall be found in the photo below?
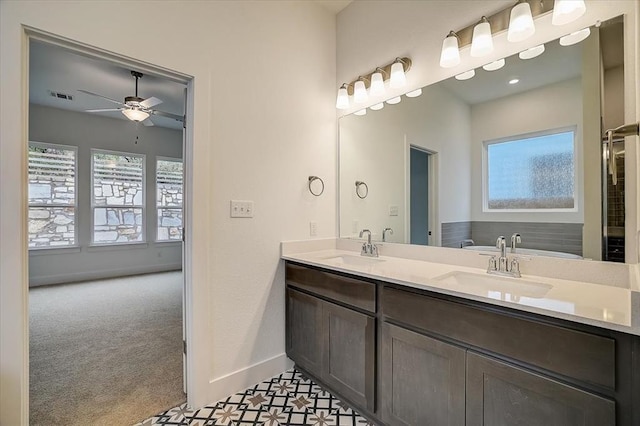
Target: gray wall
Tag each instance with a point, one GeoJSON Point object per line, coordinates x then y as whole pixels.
{"type": "Point", "coordinates": [86, 131]}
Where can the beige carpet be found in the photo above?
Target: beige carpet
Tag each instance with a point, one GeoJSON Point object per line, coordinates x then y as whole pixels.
{"type": "Point", "coordinates": [105, 352]}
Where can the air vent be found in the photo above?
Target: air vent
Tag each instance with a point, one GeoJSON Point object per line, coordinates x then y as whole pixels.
{"type": "Point", "coordinates": [61, 95]}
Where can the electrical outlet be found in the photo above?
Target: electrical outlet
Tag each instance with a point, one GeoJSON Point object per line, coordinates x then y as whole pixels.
{"type": "Point", "coordinates": [393, 210]}
{"type": "Point", "coordinates": [354, 226]}
{"type": "Point", "coordinates": [313, 228]}
{"type": "Point", "coordinates": [241, 208]}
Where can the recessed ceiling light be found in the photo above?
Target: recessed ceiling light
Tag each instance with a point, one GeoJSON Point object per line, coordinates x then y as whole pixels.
{"type": "Point", "coordinates": [361, 112]}
{"type": "Point", "coordinates": [532, 53]}
{"type": "Point", "coordinates": [394, 101]}
{"type": "Point", "coordinates": [377, 107]}
{"type": "Point", "coordinates": [492, 66]}
{"type": "Point", "coordinates": [414, 94]}
{"type": "Point", "coordinates": [466, 75]}
{"type": "Point", "coordinates": [514, 81]}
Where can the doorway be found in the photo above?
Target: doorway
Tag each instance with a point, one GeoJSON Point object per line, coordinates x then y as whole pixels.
{"type": "Point", "coordinates": [107, 202]}
{"type": "Point", "coordinates": [419, 196]}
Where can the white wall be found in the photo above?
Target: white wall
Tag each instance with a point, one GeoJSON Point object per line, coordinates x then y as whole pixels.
{"type": "Point", "coordinates": [551, 107]}
{"type": "Point", "coordinates": [373, 148]}
{"type": "Point", "coordinates": [263, 120]}
{"type": "Point", "coordinates": [59, 265]}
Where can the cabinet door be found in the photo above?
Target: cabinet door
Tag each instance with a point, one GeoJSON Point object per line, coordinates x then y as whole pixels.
{"type": "Point", "coordinates": [349, 354]}
{"type": "Point", "coordinates": [304, 331]}
{"type": "Point", "coordinates": [422, 379]}
{"type": "Point", "coordinates": [499, 394]}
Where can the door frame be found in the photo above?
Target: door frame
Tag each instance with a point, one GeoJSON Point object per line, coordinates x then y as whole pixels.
{"type": "Point", "coordinates": [29, 34]}
{"type": "Point", "coordinates": [434, 238]}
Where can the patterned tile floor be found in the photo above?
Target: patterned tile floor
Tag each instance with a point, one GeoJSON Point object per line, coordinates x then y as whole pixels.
{"type": "Point", "coordinates": [288, 399]}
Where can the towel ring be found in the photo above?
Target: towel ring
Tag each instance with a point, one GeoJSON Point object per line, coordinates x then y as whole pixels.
{"type": "Point", "coordinates": [313, 179]}
{"type": "Point", "coordinates": [360, 184]}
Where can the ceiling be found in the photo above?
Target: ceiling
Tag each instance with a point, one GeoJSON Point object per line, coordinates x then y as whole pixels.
{"type": "Point", "coordinates": [55, 69]}
{"type": "Point", "coordinates": [334, 6]}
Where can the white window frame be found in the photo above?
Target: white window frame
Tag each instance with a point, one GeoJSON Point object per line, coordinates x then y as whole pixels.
{"type": "Point", "coordinates": [75, 244]}
{"type": "Point", "coordinates": [485, 170]}
{"type": "Point", "coordinates": [144, 199]}
{"type": "Point", "coordinates": [155, 191]}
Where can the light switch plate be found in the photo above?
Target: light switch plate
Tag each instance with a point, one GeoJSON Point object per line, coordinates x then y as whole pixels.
{"type": "Point", "coordinates": [393, 210]}
{"type": "Point", "coordinates": [241, 208]}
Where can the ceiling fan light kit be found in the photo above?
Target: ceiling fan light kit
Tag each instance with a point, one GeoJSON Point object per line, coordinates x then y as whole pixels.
{"type": "Point", "coordinates": [134, 107]}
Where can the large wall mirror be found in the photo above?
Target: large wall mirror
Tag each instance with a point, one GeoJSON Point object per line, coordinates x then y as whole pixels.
{"type": "Point", "coordinates": [514, 150]}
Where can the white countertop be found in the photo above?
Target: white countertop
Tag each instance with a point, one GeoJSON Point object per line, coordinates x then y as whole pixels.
{"type": "Point", "coordinates": [610, 307]}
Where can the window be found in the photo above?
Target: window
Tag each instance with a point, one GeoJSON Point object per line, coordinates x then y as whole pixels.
{"type": "Point", "coordinates": [52, 195]}
{"type": "Point", "coordinates": [169, 199]}
{"type": "Point", "coordinates": [531, 173]}
{"type": "Point", "coordinates": [117, 197]}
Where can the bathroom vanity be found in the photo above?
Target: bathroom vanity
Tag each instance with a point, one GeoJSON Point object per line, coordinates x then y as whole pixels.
{"type": "Point", "coordinates": [419, 349]}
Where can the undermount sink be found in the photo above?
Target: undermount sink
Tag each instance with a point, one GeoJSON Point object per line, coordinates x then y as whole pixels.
{"type": "Point", "coordinates": [347, 259]}
{"type": "Point", "coordinates": [508, 288]}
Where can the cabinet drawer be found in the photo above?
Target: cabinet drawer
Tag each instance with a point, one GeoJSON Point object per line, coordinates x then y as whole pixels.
{"type": "Point", "coordinates": [581, 356]}
{"type": "Point", "coordinates": [349, 291]}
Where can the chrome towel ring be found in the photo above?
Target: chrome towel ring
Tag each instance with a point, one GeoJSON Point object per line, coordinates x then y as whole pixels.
{"type": "Point", "coordinates": [313, 179]}
{"type": "Point", "coordinates": [361, 193]}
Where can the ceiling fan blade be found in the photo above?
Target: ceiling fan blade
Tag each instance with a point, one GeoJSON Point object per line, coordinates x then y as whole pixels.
{"type": "Point", "coordinates": [150, 102]}
{"type": "Point", "coordinates": [100, 96]}
{"type": "Point", "coordinates": [168, 115]}
{"type": "Point", "coordinates": [103, 110]}
{"type": "Point", "coordinates": [148, 122]}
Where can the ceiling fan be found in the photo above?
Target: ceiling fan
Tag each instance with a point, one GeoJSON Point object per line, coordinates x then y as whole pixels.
{"type": "Point", "coordinates": [136, 108]}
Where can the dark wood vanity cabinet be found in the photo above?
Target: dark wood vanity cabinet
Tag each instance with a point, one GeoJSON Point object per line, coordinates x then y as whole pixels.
{"type": "Point", "coordinates": [405, 356]}
{"type": "Point", "coordinates": [332, 342]}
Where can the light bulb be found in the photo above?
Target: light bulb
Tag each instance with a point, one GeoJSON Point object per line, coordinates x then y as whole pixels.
{"type": "Point", "coordinates": [495, 65]}
{"type": "Point", "coordinates": [514, 81]}
{"type": "Point", "coordinates": [377, 83]}
{"type": "Point", "coordinates": [466, 75]}
{"type": "Point", "coordinates": [414, 93]}
{"type": "Point", "coordinates": [377, 107]}
{"type": "Point", "coordinates": [575, 37]}
{"type": "Point", "coordinates": [343, 98]}
{"type": "Point", "coordinates": [135, 114]}
{"type": "Point", "coordinates": [360, 92]}
{"type": "Point", "coordinates": [532, 53]}
{"type": "Point", "coordinates": [521, 25]}
{"type": "Point", "coordinates": [565, 11]}
{"type": "Point", "coordinates": [394, 101]}
{"type": "Point", "coordinates": [482, 41]}
{"type": "Point", "coordinates": [450, 55]}
{"type": "Point", "coordinates": [398, 78]}
{"type": "Point", "coordinates": [361, 112]}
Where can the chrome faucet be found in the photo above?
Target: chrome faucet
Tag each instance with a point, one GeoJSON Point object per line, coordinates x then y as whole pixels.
{"type": "Point", "coordinates": [515, 239]}
{"type": "Point", "coordinates": [384, 233]}
{"type": "Point", "coordinates": [368, 249]}
{"type": "Point", "coordinates": [504, 265]}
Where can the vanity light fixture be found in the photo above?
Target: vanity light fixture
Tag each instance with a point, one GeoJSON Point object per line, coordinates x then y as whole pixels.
{"type": "Point", "coordinates": [482, 40]}
{"type": "Point", "coordinates": [363, 111]}
{"type": "Point", "coordinates": [450, 55]}
{"type": "Point", "coordinates": [374, 82]}
{"type": "Point", "coordinates": [466, 75]}
{"type": "Point", "coordinates": [135, 114]}
{"type": "Point", "coordinates": [394, 101]}
{"type": "Point", "coordinates": [532, 53]}
{"type": "Point", "coordinates": [398, 78]}
{"type": "Point", "coordinates": [360, 91]}
{"type": "Point", "coordinates": [414, 93]}
{"type": "Point", "coordinates": [574, 38]}
{"type": "Point", "coordinates": [377, 107]}
{"type": "Point", "coordinates": [514, 81]}
{"type": "Point", "coordinates": [566, 11]}
{"type": "Point", "coordinates": [377, 83]}
{"type": "Point", "coordinates": [495, 65]}
{"type": "Point", "coordinates": [521, 25]}
{"type": "Point", "coordinates": [343, 97]}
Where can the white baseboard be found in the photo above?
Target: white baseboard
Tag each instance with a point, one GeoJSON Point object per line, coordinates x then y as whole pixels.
{"type": "Point", "coordinates": [237, 381]}
{"type": "Point", "coordinates": [97, 275]}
